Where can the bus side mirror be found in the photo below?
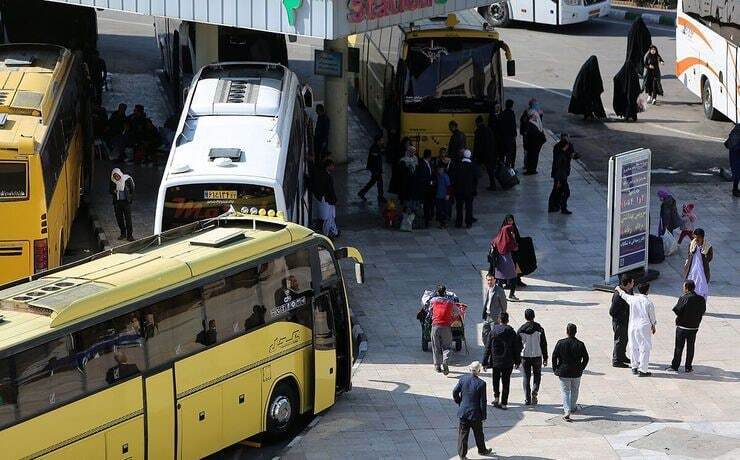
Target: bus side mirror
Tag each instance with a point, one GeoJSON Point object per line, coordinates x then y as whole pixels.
{"type": "Point", "coordinates": [354, 254]}
{"type": "Point", "coordinates": [510, 68]}
{"type": "Point", "coordinates": [307, 96]}
{"type": "Point", "coordinates": [360, 273]}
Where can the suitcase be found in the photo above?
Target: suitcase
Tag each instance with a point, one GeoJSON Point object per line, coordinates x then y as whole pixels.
{"type": "Point", "coordinates": [506, 177]}
{"type": "Point", "coordinates": [656, 254]}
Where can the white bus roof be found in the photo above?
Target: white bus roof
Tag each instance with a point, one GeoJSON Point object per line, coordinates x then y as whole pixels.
{"type": "Point", "coordinates": [468, 20]}
{"type": "Point", "coordinates": [234, 124]}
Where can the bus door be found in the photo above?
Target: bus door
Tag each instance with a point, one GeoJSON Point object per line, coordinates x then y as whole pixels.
{"type": "Point", "coordinates": [732, 83]}
{"type": "Point", "coordinates": [325, 353]}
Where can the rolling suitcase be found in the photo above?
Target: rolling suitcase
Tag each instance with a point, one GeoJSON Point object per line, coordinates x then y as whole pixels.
{"type": "Point", "coordinates": [506, 177]}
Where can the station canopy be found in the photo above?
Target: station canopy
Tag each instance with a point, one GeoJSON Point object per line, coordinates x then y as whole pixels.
{"type": "Point", "coordinates": [327, 19]}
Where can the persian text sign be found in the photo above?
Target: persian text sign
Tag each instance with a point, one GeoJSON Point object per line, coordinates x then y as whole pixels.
{"type": "Point", "coordinates": [363, 10]}
{"type": "Point", "coordinates": [628, 212]}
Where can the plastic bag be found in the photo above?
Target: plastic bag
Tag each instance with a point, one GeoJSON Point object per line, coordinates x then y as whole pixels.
{"type": "Point", "coordinates": [407, 222]}
{"type": "Point", "coordinates": [670, 245]}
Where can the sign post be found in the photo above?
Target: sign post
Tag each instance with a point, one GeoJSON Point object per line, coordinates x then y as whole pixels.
{"type": "Point", "coordinates": [628, 215]}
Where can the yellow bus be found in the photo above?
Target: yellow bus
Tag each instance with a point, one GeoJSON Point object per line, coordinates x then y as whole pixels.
{"type": "Point", "coordinates": [416, 78]}
{"type": "Point", "coordinates": [176, 345]}
{"type": "Point", "coordinates": [45, 154]}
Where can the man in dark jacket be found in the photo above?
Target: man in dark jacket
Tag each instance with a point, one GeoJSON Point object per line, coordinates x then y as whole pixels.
{"type": "Point", "coordinates": [470, 395]}
{"type": "Point", "coordinates": [689, 311]}
{"type": "Point", "coordinates": [508, 133]}
{"type": "Point", "coordinates": [375, 166]}
{"type": "Point", "coordinates": [534, 355]}
{"type": "Point", "coordinates": [620, 313]}
{"type": "Point", "coordinates": [463, 183]}
{"type": "Point", "coordinates": [484, 150]}
{"type": "Point", "coordinates": [733, 146]}
{"type": "Point", "coordinates": [562, 154]}
{"type": "Point", "coordinates": [569, 360]}
{"type": "Point", "coordinates": [424, 187]}
{"type": "Point", "coordinates": [503, 352]}
{"type": "Point", "coordinates": [457, 142]}
{"type": "Point", "coordinates": [321, 133]}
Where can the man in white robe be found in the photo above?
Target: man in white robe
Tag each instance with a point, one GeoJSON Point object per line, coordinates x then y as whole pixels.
{"type": "Point", "coordinates": [641, 328]}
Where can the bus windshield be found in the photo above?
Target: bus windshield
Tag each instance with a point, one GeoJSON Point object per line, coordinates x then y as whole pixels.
{"type": "Point", "coordinates": [184, 204]}
{"type": "Point", "coordinates": [13, 180]}
{"type": "Point", "coordinates": [451, 75]}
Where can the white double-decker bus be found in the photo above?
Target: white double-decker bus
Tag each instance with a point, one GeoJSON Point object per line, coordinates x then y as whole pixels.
{"type": "Point", "coordinates": [707, 41]}
{"type": "Point", "coordinates": [242, 141]}
{"type": "Point", "coordinates": [555, 12]}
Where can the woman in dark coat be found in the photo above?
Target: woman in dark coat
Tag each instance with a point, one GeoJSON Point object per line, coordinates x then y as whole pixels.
{"type": "Point", "coordinates": [516, 255]}
{"type": "Point", "coordinates": [733, 146]}
{"type": "Point", "coordinates": [533, 137]}
{"type": "Point", "coordinates": [651, 84]}
{"type": "Point", "coordinates": [626, 91]}
{"type": "Point", "coordinates": [669, 217]}
{"type": "Point", "coordinates": [397, 174]}
{"type": "Point", "coordinates": [586, 96]}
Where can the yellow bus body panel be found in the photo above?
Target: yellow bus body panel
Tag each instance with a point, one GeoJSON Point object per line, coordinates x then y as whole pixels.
{"type": "Point", "coordinates": [432, 129]}
{"type": "Point", "coordinates": [72, 422]}
{"type": "Point", "coordinates": [242, 406]}
{"type": "Point", "coordinates": [199, 423]}
{"type": "Point", "coordinates": [160, 413]}
{"type": "Point", "coordinates": [118, 441]}
{"type": "Point", "coordinates": [325, 363]}
{"type": "Point", "coordinates": [92, 447]}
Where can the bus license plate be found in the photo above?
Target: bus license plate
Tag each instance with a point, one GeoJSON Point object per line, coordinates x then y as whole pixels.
{"type": "Point", "coordinates": [219, 194]}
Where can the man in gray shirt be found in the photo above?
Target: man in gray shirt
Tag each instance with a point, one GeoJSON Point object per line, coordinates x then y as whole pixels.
{"type": "Point", "coordinates": [494, 303]}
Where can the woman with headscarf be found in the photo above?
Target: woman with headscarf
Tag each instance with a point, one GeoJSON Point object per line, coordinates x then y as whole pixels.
{"type": "Point", "coordinates": [520, 257]}
{"type": "Point", "coordinates": [394, 186]}
{"type": "Point", "coordinates": [121, 188]}
{"type": "Point", "coordinates": [585, 98]}
{"type": "Point", "coordinates": [669, 217]}
{"type": "Point", "coordinates": [651, 84]}
{"type": "Point", "coordinates": [407, 169]}
{"type": "Point", "coordinates": [503, 245]}
{"type": "Point", "coordinates": [533, 134]}
{"type": "Point", "coordinates": [626, 91]}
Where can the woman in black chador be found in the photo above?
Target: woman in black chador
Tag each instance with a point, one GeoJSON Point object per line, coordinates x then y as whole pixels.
{"type": "Point", "coordinates": [639, 40]}
{"type": "Point", "coordinates": [586, 96]}
{"type": "Point", "coordinates": [626, 91]}
{"type": "Point", "coordinates": [651, 84]}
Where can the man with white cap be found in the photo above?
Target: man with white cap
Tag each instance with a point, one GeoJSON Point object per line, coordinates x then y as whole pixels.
{"type": "Point", "coordinates": [463, 183]}
{"type": "Point", "coordinates": [470, 395]}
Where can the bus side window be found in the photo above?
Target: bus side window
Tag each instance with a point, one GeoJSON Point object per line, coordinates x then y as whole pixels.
{"type": "Point", "coordinates": [52, 157]}
{"type": "Point", "coordinates": [178, 321]}
{"type": "Point", "coordinates": [323, 327]}
{"type": "Point", "coordinates": [111, 351]}
{"type": "Point", "coordinates": [8, 393]}
{"type": "Point", "coordinates": [286, 286]}
{"type": "Point", "coordinates": [229, 301]}
{"type": "Point", "coordinates": [328, 267]}
{"type": "Point", "coordinates": [46, 376]}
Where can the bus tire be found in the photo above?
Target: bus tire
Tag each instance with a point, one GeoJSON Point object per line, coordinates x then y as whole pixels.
{"type": "Point", "coordinates": [282, 411]}
{"type": "Point", "coordinates": [707, 101]}
{"type": "Point", "coordinates": [497, 14]}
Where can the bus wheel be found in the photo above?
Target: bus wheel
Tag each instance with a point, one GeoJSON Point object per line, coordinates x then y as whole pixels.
{"type": "Point", "coordinates": [282, 411]}
{"type": "Point", "coordinates": [708, 102]}
{"type": "Point", "coordinates": [496, 14]}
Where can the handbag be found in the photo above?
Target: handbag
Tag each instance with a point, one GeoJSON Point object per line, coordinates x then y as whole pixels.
{"type": "Point", "coordinates": [670, 246]}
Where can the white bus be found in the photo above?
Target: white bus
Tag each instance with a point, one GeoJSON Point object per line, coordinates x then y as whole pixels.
{"type": "Point", "coordinates": [555, 12]}
{"type": "Point", "coordinates": [707, 41]}
{"type": "Point", "coordinates": [242, 140]}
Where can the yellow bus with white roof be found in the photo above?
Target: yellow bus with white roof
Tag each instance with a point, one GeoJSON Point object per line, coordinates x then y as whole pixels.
{"type": "Point", "coordinates": [242, 141]}
{"type": "Point", "coordinates": [176, 345]}
{"type": "Point", "coordinates": [45, 154]}
{"type": "Point", "coordinates": [417, 77]}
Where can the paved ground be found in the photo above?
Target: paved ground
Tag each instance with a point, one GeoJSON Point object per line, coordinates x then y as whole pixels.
{"type": "Point", "coordinates": [676, 130]}
{"type": "Point", "coordinates": [400, 408]}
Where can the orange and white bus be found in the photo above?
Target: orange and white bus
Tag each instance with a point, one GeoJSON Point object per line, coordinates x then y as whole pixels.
{"type": "Point", "coordinates": [45, 154]}
{"type": "Point", "coordinates": [707, 41]}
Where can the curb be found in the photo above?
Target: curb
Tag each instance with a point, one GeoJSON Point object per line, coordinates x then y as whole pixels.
{"type": "Point", "coordinates": [650, 18]}
{"type": "Point", "coordinates": [103, 243]}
